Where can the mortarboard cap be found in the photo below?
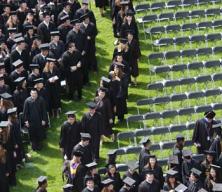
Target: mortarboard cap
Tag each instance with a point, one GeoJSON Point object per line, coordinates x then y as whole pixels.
{"type": "Point", "coordinates": [196, 172]}
{"type": "Point", "coordinates": [181, 188]}
{"type": "Point", "coordinates": [149, 172]}
{"type": "Point", "coordinates": [71, 113]}
{"type": "Point", "coordinates": [77, 153]}
{"type": "Point", "coordinates": [19, 80]}
{"type": "Point", "coordinates": [19, 40]}
{"type": "Point", "coordinates": [118, 65]}
{"type": "Point", "coordinates": [34, 66]}
{"type": "Point", "coordinates": [173, 160]}
{"type": "Point", "coordinates": [209, 152]}
{"type": "Point", "coordinates": [49, 59]}
{"type": "Point", "coordinates": [105, 79]}
{"type": "Point", "coordinates": [145, 140]}
{"type": "Point", "coordinates": [13, 13]}
{"type": "Point", "coordinates": [132, 32]}
{"type": "Point", "coordinates": [172, 172]}
{"type": "Point", "coordinates": [91, 105]}
{"type": "Point", "coordinates": [67, 4]}
{"type": "Point", "coordinates": [124, 2]}
{"type": "Point", "coordinates": [180, 137]}
{"type": "Point", "coordinates": [187, 153]}
{"type": "Point", "coordinates": [17, 35]}
{"type": "Point", "coordinates": [3, 124]}
{"type": "Point", "coordinates": [44, 46]}
{"type": "Point", "coordinates": [217, 187]}
{"type": "Point", "coordinates": [85, 16]}
{"type": "Point", "coordinates": [68, 188]}
{"type": "Point", "coordinates": [39, 80]}
{"type": "Point", "coordinates": [216, 167]}
{"type": "Point", "coordinates": [91, 165]}
{"type": "Point", "coordinates": [12, 30]}
{"type": "Point", "coordinates": [103, 89]}
{"type": "Point", "coordinates": [123, 40]}
{"type": "Point", "coordinates": [46, 12]}
{"type": "Point", "coordinates": [202, 190]}
{"type": "Point", "coordinates": [75, 21]}
{"type": "Point", "coordinates": [18, 63]}
{"type": "Point", "coordinates": [54, 33]}
{"type": "Point", "coordinates": [2, 65]}
{"type": "Point", "coordinates": [129, 181]}
{"type": "Point", "coordinates": [210, 114]}
{"type": "Point", "coordinates": [89, 178]}
{"type": "Point", "coordinates": [64, 18]}
{"type": "Point", "coordinates": [85, 136]}
{"type": "Point", "coordinates": [6, 96]}
{"type": "Point", "coordinates": [111, 157]}
{"type": "Point", "coordinates": [12, 110]}
{"type": "Point", "coordinates": [133, 165]}
{"type": "Point", "coordinates": [129, 12]}
{"type": "Point", "coordinates": [107, 182]}
{"type": "Point", "coordinates": [41, 179]}
{"type": "Point", "coordinates": [27, 27]}
{"type": "Point", "coordinates": [85, 2]}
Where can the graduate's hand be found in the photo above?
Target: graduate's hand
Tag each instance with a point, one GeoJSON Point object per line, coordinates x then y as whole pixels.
{"type": "Point", "coordinates": [114, 109]}
{"type": "Point", "coordinates": [79, 64]}
{"type": "Point", "coordinates": [43, 123]}
{"type": "Point", "coordinates": [7, 174]}
{"type": "Point", "coordinates": [197, 144]}
{"type": "Point", "coordinates": [110, 121]}
{"type": "Point", "coordinates": [83, 52]}
{"type": "Point", "coordinates": [16, 146]}
{"type": "Point", "coordinates": [88, 37]}
{"type": "Point", "coordinates": [117, 78]}
{"type": "Point", "coordinates": [27, 124]}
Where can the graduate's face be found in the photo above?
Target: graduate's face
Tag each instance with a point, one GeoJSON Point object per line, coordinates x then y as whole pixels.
{"type": "Point", "coordinates": [7, 10]}
{"type": "Point", "coordinates": [56, 38]}
{"type": "Point", "coordinates": [213, 173]}
{"type": "Point", "coordinates": [129, 18]}
{"type": "Point", "coordinates": [130, 37]}
{"type": "Point", "coordinates": [92, 111]}
{"type": "Point", "coordinates": [209, 158]}
{"type": "Point", "coordinates": [152, 161]}
{"type": "Point", "coordinates": [71, 120]}
{"type": "Point", "coordinates": [36, 71]}
{"type": "Point", "coordinates": [112, 170]}
{"type": "Point", "coordinates": [150, 178]}
{"type": "Point", "coordinates": [90, 184]}
{"type": "Point", "coordinates": [192, 177]}
{"type": "Point", "coordinates": [2, 82]}
{"type": "Point", "coordinates": [172, 179]}
{"type": "Point", "coordinates": [110, 187]}
{"type": "Point", "coordinates": [119, 59]}
{"type": "Point", "coordinates": [86, 142]}
{"type": "Point", "coordinates": [101, 94]}
{"type": "Point", "coordinates": [22, 46]}
{"type": "Point", "coordinates": [77, 26]}
{"type": "Point", "coordinates": [34, 94]}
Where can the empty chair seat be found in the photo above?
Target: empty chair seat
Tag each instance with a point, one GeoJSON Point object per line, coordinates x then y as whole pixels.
{"type": "Point", "coordinates": [189, 26]}
{"type": "Point", "coordinates": [120, 151]}
{"type": "Point", "coordinates": [190, 125]}
{"type": "Point", "coordinates": [144, 102]}
{"type": "Point", "coordinates": [149, 18]}
{"type": "Point", "coordinates": [159, 130]}
{"type": "Point", "coordinates": [217, 49]}
{"type": "Point", "coordinates": [213, 37]}
{"type": "Point", "coordinates": [201, 2]}
{"type": "Point", "coordinates": [142, 132]}
{"type": "Point", "coordinates": [166, 16]}
{"type": "Point", "coordinates": [171, 83]}
{"type": "Point", "coordinates": [169, 113]}
{"type": "Point", "coordinates": [177, 128]}
{"type": "Point", "coordinates": [186, 111]}
{"type": "Point", "coordinates": [163, 41]}
{"type": "Point", "coordinates": [212, 92]}
{"type": "Point", "coordinates": [197, 13]}
{"type": "Point", "coordinates": [181, 40]}
{"type": "Point", "coordinates": [142, 7]}
{"type": "Point", "coordinates": [172, 54]}
{"type": "Point", "coordinates": [188, 143]}
{"type": "Point", "coordinates": [174, 28]}
{"type": "Point", "coordinates": [182, 14]}
{"type": "Point", "coordinates": [212, 12]}
{"type": "Point", "coordinates": [152, 115]}
{"type": "Point", "coordinates": [205, 24]}
{"type": "Point", "coordinates": [215, 63]}
{"type": "Point", "coordinates": [102, 170]}
{"type": "Point", "coordinates": [178, 97]}
{"type": "Point", "coordinates": [162, 162]}
{"type": "Point", "coordinates": [202, 109]}
{"type": "Point", "coordinates": [156, 56]}
{"type": "Point", "coordinates": [155, 86]}
{"type": "Point", "coordinates": [186, 81]}
{"type": "Point", "coordinates": [158, 5]}
{"type": "Point", "coordinates": [195, 65]}
{"type": "Point", "coordinates": [168, 145]}
{"type": "Point", "coordinates": [121, 167]}
{"type": "Point", "coordinates": [173, 3]}
{"type": "Point", "coordinates": [197, 38]}
{"type": "Point", "coordinates": [125, 135]}
{"type": "Point", "coordinates": [217, 77]}
{"type": "Point", "coordinates": [134, 118]}
{"type": "Point", "coordinates": [155, 30]}
{"type": "Point", "coordinates": [188, 53]}
{"type": "Point", "coordinates": [216, 106]}
{"type": "Point", "coordinates": [159, 100]}
{"type": "Point", "coordinates": [161, 69]}
{"type": "Point", "coordinates": [197, 94]}
{"type": "Point", "coordinates": [179, 67]}
{"type": "Point", "coordinates": [217, 23]}
{"type": "Point", "coordinates": [155, 146]}
{"type": "Point", "coordinates": [203, 78]}
{"type": "Point", "coordinates": [204, 51]}
{"type": "Point", "coordinates": [133, 150]}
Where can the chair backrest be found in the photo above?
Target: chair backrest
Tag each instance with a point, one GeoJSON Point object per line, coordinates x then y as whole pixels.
{"type": "Point", "coordinates": [178, 97]}
{"type": "Point", "coordinates": [155, 86]}
{"type": "Point", "coordinates": [125, 135]}
{"type": "Point", "coordinates": [144, 102]}
{"type": "Point", "coordinates": [142, 132]}
{"type": "Point", "coordinates": [152, 115]}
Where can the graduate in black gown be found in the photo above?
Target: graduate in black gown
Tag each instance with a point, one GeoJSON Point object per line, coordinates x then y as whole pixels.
{"type": "Point", "coordinates": [195, 182]}
{"type": "Point", "coordinates": [128, 185]}
{"type": "Point", "coordinates": [35, 74]}
{"type": "Point", "coordinates": [70, 134]}
{"type": "Point", "coordinates": [150, 184]}
{"type": "Point", "coordinates": [42, 184]}
{"type": "Point", "coordinates": [51, 75]}
{"type": "Point", "coordinates": [144, 153]}
{"type": "Point", "coordinates": [3, 87]}
{"type": "Point", "coordinates": [72, 63]}
{"type": "Point", "coordinates": [90, 185]}
{"type": "Point", "coordinates": [92, 123]}
{"type": "Point", "coordinates": [204, 134]}
{"type": "Point", "coordinates": [103, 106]}
{"type": "Point", "coordinates": [20, 94]}
{"type": "Point", "coordinates": [85, 148]}
{"type": "Point", "coordinates": [171, 180]}
{"type": "Point", "coordinates": [35, 118]}
{"type": "Point", "coordinates": [64, 27]}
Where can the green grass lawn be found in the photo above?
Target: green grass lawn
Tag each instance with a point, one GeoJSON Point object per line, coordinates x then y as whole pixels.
{"type": "Point", "coordinates": [49, 161]}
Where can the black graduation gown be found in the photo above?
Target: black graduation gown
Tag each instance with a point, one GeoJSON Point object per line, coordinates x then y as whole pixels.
{"type": "Point", "coordinates": [101, 3]}
{"type": "Point", "coordinates": [134, 176]}
{"type": "Point", "coordinates": [74, 78]}
{"type": "Point", "coordinates": [208, 185]}
{"type": "Point", "coordinates": [158, 174]}
{"type": "Point", "coordinates": [64, 29]}
{"type": "Point", "coordinates": [80, 12]}
{"type": "Point", "coordinates": [195, 187]}
{"type": "Point", "coordinates": [53, 89]}
{"type": "Point", "coordinates": [94, 126]}
{"type": "Point", "coordinates": [216, 146]}
{"type": "Point", "coordinates": [134, 55]}
{"type": "Point", "coordinates": [96, 179]}
{"type": "Point", "coordinates": [126, 69]}
{"type": "Point", "coordinates": [167, 187]}
{"type": "Point", "coordinates": [30, 80]}
{"type": "Point", "coordinates": [203, 135]}
{"type": "Point", "coordinates": [144, 153]}
{"type": "Point", "coordinates": [43, 93]}
{"type": "Point", "coordinates": [60, 15]}
{"type": "Point", "coordinates": [39, 59]}
{"type": "Point", "coordinates": [147, 187]}
{"type": "Point", "coordinates": [44, 32]}
{"type": "Point", "coordinates": [41, 190]}
{"type": "Point", "coordinates": [3, 178]}
{"type": "Point", "coordinates": [90, 33]}
{"type": "Point", "coordinates": [69, 137]}
{"type": "Point", "coordinates": [58, 49]}
{"type": "Point", "coordinates": [19, 97]}
{"type": "Point", "coordinates": [117, 181]}
{"type": "Point", "coordinates": [87, 190]}
{"type": "Point", "coordinates": [4, 89]}
{"type": "Point", "coordinates": [126, 27]}
{"type": "Point", "coordinates": [104, 108]}
{"type": "Point", "coordinates": [35, 112]}
{"type": "Point", "coordinates": [14, 56]}
{"type": "Point", "coordinates": [13, 76]}
{"type": "Point", "coordinates": [219, 162]}
{"type": "Point", "coordinates": [186, 168]}
{"type": "Point", "coordinates": [87, 156]}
